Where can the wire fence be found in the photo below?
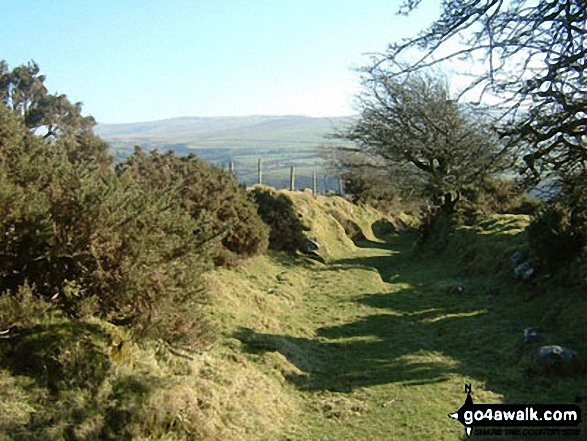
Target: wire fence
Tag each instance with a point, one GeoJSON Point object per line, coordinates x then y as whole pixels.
{"type": "Point", "coordinates": [288, 178]}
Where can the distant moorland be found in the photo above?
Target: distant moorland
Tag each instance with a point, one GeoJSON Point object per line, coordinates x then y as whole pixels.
{"type": "Point", "coordinates": [281, 141]}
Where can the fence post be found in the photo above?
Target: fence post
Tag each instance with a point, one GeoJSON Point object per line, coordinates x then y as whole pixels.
{"type": "Point", "coordinates": [340, 186]}
{"type": "Point", "coordinates": [314, 183]}
{"type": "Point", "coordinates": [260, 172]}
{"type": "Point", "coordinates": [231, 167]}
{"type": "Point", "coordinates": [292, 178]}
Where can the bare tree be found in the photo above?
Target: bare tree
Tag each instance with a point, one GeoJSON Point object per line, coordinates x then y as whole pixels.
{"type": "Point", "coordinates": [411, 127]}
{"type": "Point", "coordinates": [534, 55]}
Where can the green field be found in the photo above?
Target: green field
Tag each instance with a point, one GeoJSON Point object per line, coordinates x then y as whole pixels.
{"type": "Point", "coordinates": [376, 343]}
{"type": "Point", "coordinates": [281, 141]}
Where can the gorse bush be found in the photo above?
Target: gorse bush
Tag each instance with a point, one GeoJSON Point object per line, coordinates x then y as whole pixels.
{"type": "Point", "coordinates": [370, 186]}
{"type": "Point", "coordinates": [125, 243]}
{"type": "Point", "coordinates": [554, 238]}
{"type": "Point", "coordinates": [22, 308]}
{"type": "Point", "coordinates": [205, 192]}
{"type": "Point", "coordinates": [101, 295]}
{"type": "Point", "coordinates": [95, 241]}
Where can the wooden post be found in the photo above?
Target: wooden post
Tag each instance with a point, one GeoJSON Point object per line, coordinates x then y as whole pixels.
{"type": "Point", "coordinates": [325, 184]}
{"type": "Point", "coordinates": [292, 178]}
{"type": "Point", "coordinates": [340, 186]}
{"type": "Point", "coordinates": [260, 172]}
{"type": "Point", "coordinates": [314, 183]}
{"type": "Point", "coordinates": [231, 167]}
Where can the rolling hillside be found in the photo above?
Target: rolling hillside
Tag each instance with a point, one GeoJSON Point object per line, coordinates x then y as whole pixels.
{"type": "Point", "coordinates": [281, 141]}
{"type": "Point", "coordinates": [224, 132]}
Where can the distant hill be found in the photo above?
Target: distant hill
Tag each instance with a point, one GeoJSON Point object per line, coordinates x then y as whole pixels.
{"type": "Point", "coordinates": [248, 132]}
{"type": "Point", "coordinates": [280, 140]}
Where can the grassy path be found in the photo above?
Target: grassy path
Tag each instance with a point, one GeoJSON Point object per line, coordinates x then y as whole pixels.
{"type": "Point", "coordinates": [382, 344]}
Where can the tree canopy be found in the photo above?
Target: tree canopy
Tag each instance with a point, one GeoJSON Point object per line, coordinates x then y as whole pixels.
{"type": "Point", "coordinates": [533, 55]}
{"type": "Point", "coordinates": [23, 91]}
{"type": "Point", "coordinates": [412, 127]}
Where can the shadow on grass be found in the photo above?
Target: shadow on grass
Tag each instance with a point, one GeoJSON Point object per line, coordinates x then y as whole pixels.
{"type": "Point", "coordinates": [366, 243]}
{"type": "Point", "coordinates": [66, 366]}
{"type": "Point", "coordinates": [434, 323]}
{"type": "Point", "coordinates": [391, 241]}
{"type": "Point", "coordinates": [58, 355]}
{"type": "Point", "coordinates": [340, 366]}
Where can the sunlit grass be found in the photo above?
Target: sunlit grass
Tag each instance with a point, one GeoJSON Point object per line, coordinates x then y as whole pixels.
{"type": "Point", "coordinates": [381, 342]}
{"type": "Point", "coordinates": [455, 315]}
{"type": "Point", "coordinates": [375, 344]}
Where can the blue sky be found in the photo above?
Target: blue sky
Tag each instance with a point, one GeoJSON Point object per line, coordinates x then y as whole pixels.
{"type": "Point", "coordinates": [145, 60]}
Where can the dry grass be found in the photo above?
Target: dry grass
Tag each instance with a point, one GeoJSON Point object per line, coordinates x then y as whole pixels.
{"type": "Point", "coordinates": [375, 344]}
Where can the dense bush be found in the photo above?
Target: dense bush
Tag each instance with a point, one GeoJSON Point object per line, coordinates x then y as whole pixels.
{"type": "Point", "coordinates": [369, 187]}
{"type": "Point", "coordinates": [207, 193]}
{"type": "Point", "coordinates": [558, 234]}
{"type": "Point", "coordinates": [497, 195]}
{"type": "Point", "coordinates": [277, 211]}
{"type": "Point", "coordinates": [93, 241]}
{"type": "Point", "coordinates": [95, 259]}
{"type": "Point", "coordinates": [386, 190]}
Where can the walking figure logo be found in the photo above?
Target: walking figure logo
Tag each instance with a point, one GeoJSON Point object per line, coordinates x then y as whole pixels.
{"type": "Point", "coordinates": [459, 415]}
{"type": "Point", "coordinates": [561, 418]}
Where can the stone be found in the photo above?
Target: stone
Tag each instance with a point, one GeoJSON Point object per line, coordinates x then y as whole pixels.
{"type": "Point", "coordinates": [555, 359]}
{"type": "Point", "coordinates": [517, 258]}
{"type": "Point", "coordinates": [314, 255]}
{"type": "Point", "coordinates": [524, 271]}
{"type": "Point", "coordinates": [530, 335]}
{"type": "Point", "coordinates": [555, 352]}
{"type": "Point", "coordinates": [453, 289]}
{"type": "Point", "coordinates": [310, 246]}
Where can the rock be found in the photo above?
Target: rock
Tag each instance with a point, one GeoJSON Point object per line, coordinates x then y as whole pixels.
{"type": "Point", "coordinates": [530, 335]}
{"type": "Point", "coordinates": [310, 246]}
{"type": "Point", "coordinates": [314, 255]}
{"type": "Point", "coordinates": [555, 352]}
{"type": "Point", "coordinates": [554, 359]}
{"type": "Point", "coordinates": [453, 289]}
{"type": "Point", "coordinates": [524, 271]}
{"type": "Point", "coordinates": [517, 258]}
